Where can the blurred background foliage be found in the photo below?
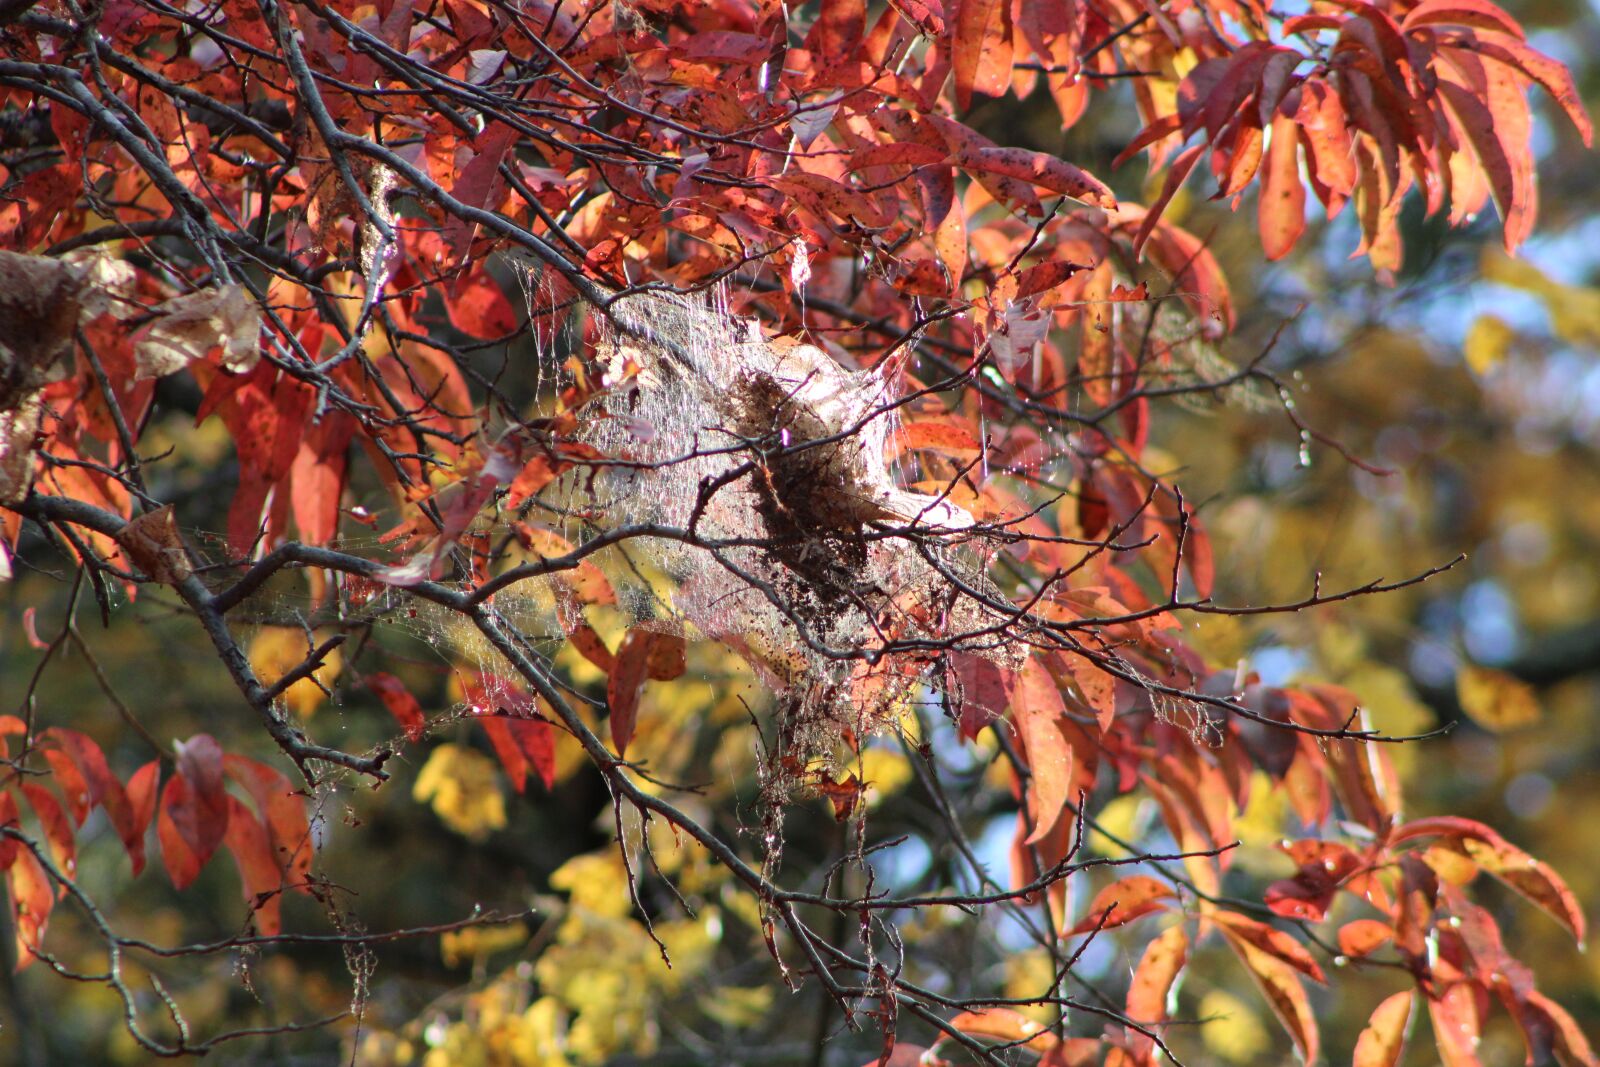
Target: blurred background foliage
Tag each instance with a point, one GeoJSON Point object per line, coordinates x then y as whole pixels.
{"type": "Point", "coordinates": [1473, 383]}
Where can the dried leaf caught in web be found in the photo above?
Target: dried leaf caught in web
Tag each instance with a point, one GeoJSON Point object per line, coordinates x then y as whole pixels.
{"type": "Point", "coordinates": [192, 324]}
{"type": "Point", "coordinates": [152, 541]}
{"type": "Point", "coordinates": [41, 304]}
{"type": "Point", "coordinates": [18, 428]}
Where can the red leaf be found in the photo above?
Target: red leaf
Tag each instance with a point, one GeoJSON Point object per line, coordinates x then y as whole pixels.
{"type": "Point", "coordinates": [1181, 166]}
{"type": "Point", "coordinates": [896, 154]}
{"type": "Point", "coordinates": [283, 809]}
{"type": "Point", "coordinates": [1494, 118]}
{"type": "Point", "coordinates": [1571, 1047]}
{"type": "Point", "coordinates": [1479, 14]}
{"type": "Point", "coordinates": [1324, 866]}
{"type": "Point", "coordinates": [401, 704]}
{"type": "Point", "coordinates": [317, 477]}
{"type": "Point", "coordinates": [925, 15]}
{"type": "Point", "coordinates": [1325, 130]}
{"type": "Point", "coordinates": [826, 198]}
{"type": "Point", "coordinates": [258, 872]}
{"type": "Point", "coordinates": [980, 49]}
{"type": "Point", "coordinates": [29, 630]}
{"type": "Point", "coordinates": [142, 809]}
{"type": "Point", "coordinates": [1552, 76]}
{"type": "Point", "coordinates": [70, 781]}
{"type": "Point", "coordinates": [84, 777]}
{"type": "Point", "coordinates": [627, 679]}
{"type": "Point", "coordinates": [1381, 1043]}
{"type": "Point", "coordinates": [1127, 900]}
{"type": "Point", "coordinates": [57, 830]}
{"type": "Point", "coordinates": [521, 743]}
{"type": "Point", "coordinates": [837, 32]}
{"type": "Point", "coordinates": [86, 780]}
{"type": "Point", "coordinates": [479, 185]}
{"type": "Point", "coordinates": [193, 814]}
{"type": "Point", "coordinates": [980, 689]}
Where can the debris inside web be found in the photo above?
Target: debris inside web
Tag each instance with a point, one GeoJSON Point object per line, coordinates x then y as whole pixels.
{"type": "Point", "coordinates": [800, 549]}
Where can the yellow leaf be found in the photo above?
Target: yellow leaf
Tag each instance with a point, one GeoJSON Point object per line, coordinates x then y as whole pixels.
{"type": "Point", "coordinates": [464, 790]}
{"type": "Point", "coordinates": [1486, 343]}
{"type": "Point", "coordinates": [277, 650]}
{"type": "Point", "coordinates": [1231, 1029]}
{"type": "Point", "coordinates": [885, 771]}
{"type": "Point", "coordinates": [479, 942]}
{"type": "Point", "coordinates": [597, 882]}
{"type": "Point", "coordinates": [1495, 700]}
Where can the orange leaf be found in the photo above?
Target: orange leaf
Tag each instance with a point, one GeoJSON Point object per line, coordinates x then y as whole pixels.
{"type": "Point", "coordinates": [947, 438]}
{"type": "Point", "coordinates": [1096, 352]}
{"type": "Point", "coordinates": [1035, 707]}
{"type": "Point", "coordinates": [142, 810]}
{"type": "Point", "coordinates": [1363, 937]}
{"type": "Point", "coordinates": [1005, 1025]}
{"type": "Point", "coordinates": [31, 901]}
{"type": "Point", "coordinates": [1158, 968]}
{"type": "Point", "coordinates": [1457, 1028]}
{"type": "Point", "coordinates": [1533, 879]}
{"type": "Point", "coordinates": [1282, 990]}
{"type": "Point", "coordinates": [586, 581]}
{"type": "Point", "coordinates": [1281, 208]}
{"type": "Point", "coordinates": [1271, 941]}
{"type": "Point", "coordinates": [1127, 900]}
{"type": "Point", "coordinates": [583, 637]}
{"type": "Point", "coordinates": [1381, 1043]}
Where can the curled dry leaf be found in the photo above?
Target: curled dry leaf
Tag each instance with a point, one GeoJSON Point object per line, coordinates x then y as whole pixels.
{"type": "Point", "coordinates": [41, 304]}
{"type": "Point", "coordinates": [193, 324]}
{"type": "Point", "coordinates": [153, 543]}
